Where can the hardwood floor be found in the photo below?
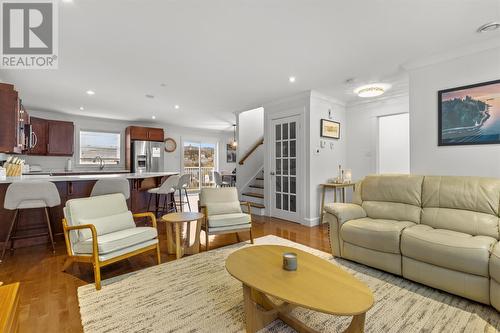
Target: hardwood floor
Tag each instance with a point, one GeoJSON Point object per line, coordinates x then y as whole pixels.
{"type": "Point", "coordinates": [49, 303]}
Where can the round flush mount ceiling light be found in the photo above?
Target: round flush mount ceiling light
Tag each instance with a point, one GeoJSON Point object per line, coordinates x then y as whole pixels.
{"type": "Point", "coordinates": [176, 107]}
{"type": "Point", "coordinates": [489, 27]}
{"type": "Point", "coordinates": [90, 92]}
{"type": "Point", "coordinates": [291, 79]}
{"type": "Point", "coordinates": [372, 90]}
{"type": "Point", "coordinates": [153, 117]}
{"type": "Point", "coordinates": [82, 108]}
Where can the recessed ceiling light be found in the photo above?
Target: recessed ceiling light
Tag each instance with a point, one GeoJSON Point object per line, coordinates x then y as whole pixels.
{"type": "Point", "coordinates": [153, 117]}
{"type": "Point", "coordinates": [177, 107]}
{"type": "Point", "coordinates": [372, 90]}
{"type": "Point", "coordinates": [68, 1]}
{"type": "Point", "coordinates": [489, 27]}
{"type": "Point", "coordinates": [291, 79]}
{"type": "Point", "coordinates": [150, 96]}
{"type": "Point", "coordinates": [82, 108]}
{"type": "Point", "coordinates": [90, 92]}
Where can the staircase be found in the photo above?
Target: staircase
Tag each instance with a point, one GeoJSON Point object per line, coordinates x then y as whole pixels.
{"type": "Point", "coordinates": [254, 193]}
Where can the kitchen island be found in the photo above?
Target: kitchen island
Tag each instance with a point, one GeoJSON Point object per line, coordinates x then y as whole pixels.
{"type": "Point", "coordinates": [31, 221]}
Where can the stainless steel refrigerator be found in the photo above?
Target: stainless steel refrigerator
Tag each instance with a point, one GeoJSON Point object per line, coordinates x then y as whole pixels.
{"type": "Point", "coordinates": [147, 156]}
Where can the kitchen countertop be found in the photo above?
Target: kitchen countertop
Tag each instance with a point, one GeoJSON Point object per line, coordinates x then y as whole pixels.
{"type": "Point", "coordinates": [67, 178]}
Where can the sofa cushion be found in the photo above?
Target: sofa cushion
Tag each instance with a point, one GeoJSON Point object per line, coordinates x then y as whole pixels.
{"type": "Point", "coordinates": [405, 189]}
{"type": "Point", "coordinates": [446, 248]}
{"type": "Point", "coordinates": [393, 197]}
{"type": "Point", "coordinates": [460, 220]}
{"type": "Point", "coordinates": [469, 193]}
{"type": "Point", "coordinates": [117, 240]}
{"type": "Point", "coordinates": [107, 224]}
{"type": "Point", "coordinates": [376, 234]}
{"type": "Point", "coordinates": [495, 264]}
{"type": "Point", "coordinates": [223, 220]}
{"type": "Point", "coordinates": [464, 204]}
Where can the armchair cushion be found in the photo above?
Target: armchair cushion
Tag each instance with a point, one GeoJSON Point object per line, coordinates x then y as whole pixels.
{"type": "Point", "coordinates": [117, 240]}
{"type": "Point", "coordinates": [219, 208]}
{"type": "Point", "coordinates": [107, 224]}
{"type": "Point", "coordinates": [224, 220]}
{"type": "Point", "coordinates": [345, 211]}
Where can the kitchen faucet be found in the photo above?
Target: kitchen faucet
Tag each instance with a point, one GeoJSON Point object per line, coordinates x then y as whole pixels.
{"type": "Point", "coordinates": [101, 162]}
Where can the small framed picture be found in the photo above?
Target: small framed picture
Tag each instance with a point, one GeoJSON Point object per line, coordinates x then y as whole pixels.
{"type": "Point", "coordinates": [231, 153]}
{"type": "Point", "coordinates": [330, 129]}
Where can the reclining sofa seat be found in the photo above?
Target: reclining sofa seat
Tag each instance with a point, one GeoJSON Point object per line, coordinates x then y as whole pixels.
{"type": "Point", "coordinates": [384, 207]}
{"type": "Point", "coordinates": [451, 248]}
{"type": "Point", "coordinates": [439, 231]}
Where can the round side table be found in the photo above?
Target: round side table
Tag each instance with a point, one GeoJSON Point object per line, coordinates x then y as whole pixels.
{"type": "Point", "coordinates": [173, 223]}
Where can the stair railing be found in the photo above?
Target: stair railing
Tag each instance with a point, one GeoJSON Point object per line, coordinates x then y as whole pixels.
{"type": "Point", "coordinates": [250, 152]}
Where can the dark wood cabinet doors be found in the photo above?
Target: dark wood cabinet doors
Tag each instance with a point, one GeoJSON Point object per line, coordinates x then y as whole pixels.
{"type": "Point", "coordinates": [52, 137]}
{"type": "Point", "coordinates": [145, 133]}
{"type": "Point", "coordinates": [60, 138]}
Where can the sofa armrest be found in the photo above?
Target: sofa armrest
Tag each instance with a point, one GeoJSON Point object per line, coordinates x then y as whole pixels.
{"type": "Point", "coordinates": [151, 216]}
{"type": "Point", "coordinates": [338, 214]}
{"type": "Point", "coordinates": [345, 211]}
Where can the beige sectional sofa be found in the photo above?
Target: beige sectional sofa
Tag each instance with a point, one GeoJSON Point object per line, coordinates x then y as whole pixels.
{"type": "Point", "coordinates": [439, 231]}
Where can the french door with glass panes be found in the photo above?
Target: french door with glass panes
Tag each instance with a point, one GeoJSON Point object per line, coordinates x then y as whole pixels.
{"type": "Point", "coordinates": [285, 194]}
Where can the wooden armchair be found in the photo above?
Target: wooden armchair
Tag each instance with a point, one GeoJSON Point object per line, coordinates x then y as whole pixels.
{"type": "Point", "coordinates": [223, 214]}
{"type": "Point", "coordinates": [101, 230]}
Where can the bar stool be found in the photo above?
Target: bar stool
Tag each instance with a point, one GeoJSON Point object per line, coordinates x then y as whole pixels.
{"type": "Point", "coordinates": [166, 188]}
{"type": "Point", "coordinates": [218, 180]}
{"type": "Point", "coordinates": [111, 186]}
{"type": "Point", "coordinates": [29, 195]}
{"type": "Point", "coordinates": [183, 184]}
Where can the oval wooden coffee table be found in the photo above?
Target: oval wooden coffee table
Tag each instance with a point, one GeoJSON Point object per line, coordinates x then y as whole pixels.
{"type": "Point", "coordinates": [174, 221]}
{"type": "Point", "coordinates": [317, 285]}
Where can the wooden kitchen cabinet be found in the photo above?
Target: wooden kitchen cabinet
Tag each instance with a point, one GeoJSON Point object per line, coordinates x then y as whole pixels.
{"type": "Point", "coordinates": [52, 137]}
{"type": "Point", "coordinates": [39, 127]}
{"type": "Point", "coordinates": [60, 138]}
{"type": "Point", "coordinates": [11, 121]}
{"type": "Point", "coordinates": [145, 133]}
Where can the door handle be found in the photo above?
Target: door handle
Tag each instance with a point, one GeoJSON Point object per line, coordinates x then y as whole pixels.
{"type": "Point", "coordinates": [272, 173]}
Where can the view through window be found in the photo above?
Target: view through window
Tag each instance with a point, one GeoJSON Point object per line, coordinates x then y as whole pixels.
{"type": "Point", "coordinates": [199, 162]}
{"type": "Point", "coordinates": [103, 144]}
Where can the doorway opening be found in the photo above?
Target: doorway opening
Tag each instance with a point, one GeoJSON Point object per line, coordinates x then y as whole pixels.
{"type": "Point", "coordinates": [394, 143]}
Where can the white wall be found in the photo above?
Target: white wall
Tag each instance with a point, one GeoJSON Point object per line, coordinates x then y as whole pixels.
{"type": "Point", "coordinates": [323, 162]}
{"type": "Point", "coordinates": [425, 155]}
{"type": "Point", "coordinates": [250, 130]}
{"type": "Point", "coordinates": [172, 160]}
{"type": "Point", "coordinates": [394, 143]}
{"type": "Point", "coordinates": [362, 132]}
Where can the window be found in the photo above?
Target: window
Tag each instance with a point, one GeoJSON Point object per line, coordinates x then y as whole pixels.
{"type": "Point", "coordinates": [199, 162]}
{"type": "Point", "coordinates": [103, 144]}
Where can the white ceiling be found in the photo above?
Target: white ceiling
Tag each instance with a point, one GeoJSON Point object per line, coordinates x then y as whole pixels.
{"type": "Point", "coordinates": [220, 56]}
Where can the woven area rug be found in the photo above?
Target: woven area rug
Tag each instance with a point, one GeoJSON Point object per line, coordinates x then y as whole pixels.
{"type": "Point", "coordinates": [196, 294]}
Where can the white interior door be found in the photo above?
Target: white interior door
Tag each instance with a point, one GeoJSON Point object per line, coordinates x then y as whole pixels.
{"type": "Point", "coordinates": [394, 143]}
{"type": "Point", "coordinates": [285, 196]}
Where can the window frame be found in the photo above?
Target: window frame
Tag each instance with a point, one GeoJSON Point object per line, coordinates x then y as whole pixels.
{"type": "Point", "coordinates": [120, 155]}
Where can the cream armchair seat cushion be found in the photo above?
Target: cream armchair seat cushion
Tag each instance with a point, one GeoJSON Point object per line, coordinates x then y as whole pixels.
{"type": "Point", "coordinates": [495, 277]}
{"type": "Point", "coordinates": [449, 249]}
{"type": "Point", "coordinates": [216, 221]}
{"type": "Point", "coordinates": [117, 240]}
{"type": "Point", "coordinates": [375, 234]}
